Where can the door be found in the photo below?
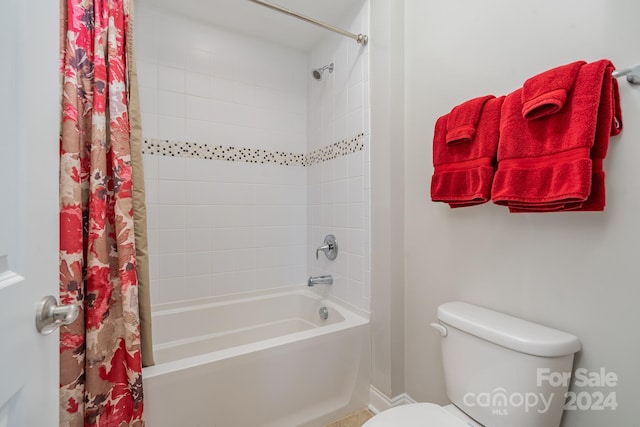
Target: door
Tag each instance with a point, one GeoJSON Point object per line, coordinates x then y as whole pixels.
{"type": "Point", "coordinates": [29, 117]}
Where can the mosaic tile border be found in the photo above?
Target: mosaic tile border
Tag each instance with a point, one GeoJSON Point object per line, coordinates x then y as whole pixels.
{"type": "Point", "coordinates": [165, 147]}
{"type": "Point", "coordinates": [339, 149]}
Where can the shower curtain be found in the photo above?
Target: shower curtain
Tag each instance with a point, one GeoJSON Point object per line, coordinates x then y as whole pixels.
{"type": "Point", "coordinates": [100, 353]}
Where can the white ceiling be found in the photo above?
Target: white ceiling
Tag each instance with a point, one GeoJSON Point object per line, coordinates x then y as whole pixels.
{"type": "Point", "coordinates": [250, 18]}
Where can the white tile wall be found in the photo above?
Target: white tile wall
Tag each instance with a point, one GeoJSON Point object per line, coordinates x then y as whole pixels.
{"type": "Point", "coordinates": [217, 227]}
{"type": "Point", "coordinates": [205, 84]}
{"type": "Point", "coordinates": [221, 227]}
{"type": "Point", "coordinates": [338, 107]}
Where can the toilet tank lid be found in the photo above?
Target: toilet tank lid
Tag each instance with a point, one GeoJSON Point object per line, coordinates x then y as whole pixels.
{"type": "Point", "coordinates": [508, 331]}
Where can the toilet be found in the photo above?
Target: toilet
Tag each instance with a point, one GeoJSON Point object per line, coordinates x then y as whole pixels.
{"type": "Point", "coordinates": [500, 371]}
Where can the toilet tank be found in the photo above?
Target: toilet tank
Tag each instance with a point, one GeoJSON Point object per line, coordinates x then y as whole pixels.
{"type": "Point", "coordinates": [504, 371]}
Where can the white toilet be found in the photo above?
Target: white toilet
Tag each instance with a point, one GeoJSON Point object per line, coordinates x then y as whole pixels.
{"type": "Point", "coordinates": [500, 371]}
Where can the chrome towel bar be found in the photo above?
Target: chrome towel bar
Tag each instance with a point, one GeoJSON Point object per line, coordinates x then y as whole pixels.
{"type": "Point", "coordinates": [633, 74]}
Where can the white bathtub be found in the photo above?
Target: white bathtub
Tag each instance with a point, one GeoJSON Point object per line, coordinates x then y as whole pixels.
{"type": "Point", "coordinates": [256, 359]}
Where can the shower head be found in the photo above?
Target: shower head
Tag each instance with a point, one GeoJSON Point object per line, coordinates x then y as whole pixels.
{"type": "Point", "coordinates": [317, 73]}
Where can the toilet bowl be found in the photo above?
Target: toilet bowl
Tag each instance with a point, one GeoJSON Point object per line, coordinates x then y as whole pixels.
{"type": "Point", "coordinates": [422, 415]}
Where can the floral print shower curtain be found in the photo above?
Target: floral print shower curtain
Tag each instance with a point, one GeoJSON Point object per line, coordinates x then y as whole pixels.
{"type": "Point", "coordinates": [100, 365]}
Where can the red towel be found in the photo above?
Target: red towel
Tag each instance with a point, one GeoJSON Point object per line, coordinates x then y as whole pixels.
{"type": "Point", "coordinates": [547, 92]}
{"type": "Point", "coordinates": [609, 123]}
{"type": "Point", "coordinates": [555, 163]}
{"type": "Point", "coordinates": [463, 172]}
{"type": "Point", "coordinates": [463, 120]}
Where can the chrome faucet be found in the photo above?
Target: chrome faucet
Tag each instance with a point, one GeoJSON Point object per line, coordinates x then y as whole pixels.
{"type": "Point", "coordinates": [320, 280]}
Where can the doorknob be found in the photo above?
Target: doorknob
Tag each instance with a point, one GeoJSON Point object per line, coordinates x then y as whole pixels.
{"type": "Point", "coordinates": [50, 315]}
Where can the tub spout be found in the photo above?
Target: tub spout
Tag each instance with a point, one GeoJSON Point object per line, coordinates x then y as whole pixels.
{"type": "Point", "coordinates": [320, 280]}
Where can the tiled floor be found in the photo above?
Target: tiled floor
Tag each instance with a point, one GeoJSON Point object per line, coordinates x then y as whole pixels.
{"type": "Point", "coordinates": [354, 420]}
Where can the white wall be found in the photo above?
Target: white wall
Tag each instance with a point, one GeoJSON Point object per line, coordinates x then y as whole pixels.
{"type": "Point", "coordinates": [218, 226]}
{"type": "Point", "coordinates": [203, 84]}
{"type": "Point", "coordinates": [338, 110]}
{"type": "Point", "coordinates": [574, 271]}
{"type": "Point", "coordinates": [387, 196]}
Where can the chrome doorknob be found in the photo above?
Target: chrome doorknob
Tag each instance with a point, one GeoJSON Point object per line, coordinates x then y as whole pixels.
{"type": "Point", "coordinates": [50, 315]}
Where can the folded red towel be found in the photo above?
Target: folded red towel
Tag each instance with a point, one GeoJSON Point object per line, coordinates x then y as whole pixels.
{"type": "Point", "coordinates": [463, 173]}
{"type": "Point", "coordinates": [547, 92]}
{"type": "Point", "coordinates": [546, 164]}
{"type": "Point", "coordinates": [463, 120]}
{"type": "Point", "coordinates": [609, 123]}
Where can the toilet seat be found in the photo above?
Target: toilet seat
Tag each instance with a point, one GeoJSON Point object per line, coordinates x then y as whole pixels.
{"type": "Point", "coordinates": [417, 415]}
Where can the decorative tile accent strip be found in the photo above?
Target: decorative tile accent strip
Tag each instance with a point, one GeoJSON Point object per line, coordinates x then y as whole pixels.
{"type": "Point", "coordinates": [339, 149]}
{"type": "Point", "coordinates": [169, 148]}
{"type": "Point", "coordinates": [165, 147]}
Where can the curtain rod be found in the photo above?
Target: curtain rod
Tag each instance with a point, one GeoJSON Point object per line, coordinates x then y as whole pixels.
{"type": "Point", "coordinates": [360, 38]}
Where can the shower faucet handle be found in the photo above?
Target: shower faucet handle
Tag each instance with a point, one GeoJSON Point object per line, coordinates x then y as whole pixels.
{"type": "Point", "coordinates": [330, 247]}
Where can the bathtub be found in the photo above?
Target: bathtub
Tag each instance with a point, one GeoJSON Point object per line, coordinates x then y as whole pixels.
{"type": "Point", "coordinates": [256, 359]}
